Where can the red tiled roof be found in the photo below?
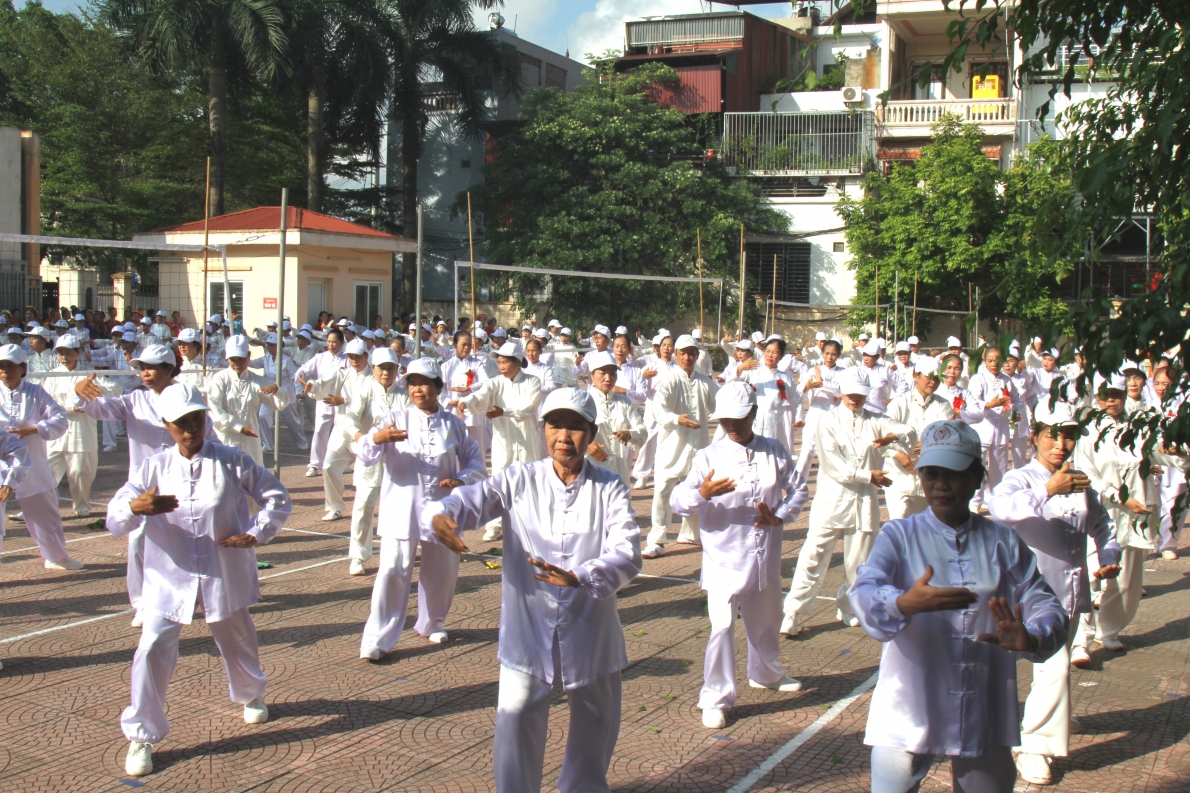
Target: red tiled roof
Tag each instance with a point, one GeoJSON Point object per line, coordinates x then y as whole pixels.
{"type": "Point", "coordinates": [269, 219]}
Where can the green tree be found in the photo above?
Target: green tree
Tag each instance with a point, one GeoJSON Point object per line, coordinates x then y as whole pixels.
{"type": "Point", "coordinates": [604, 179]}
{"type": "Point", "coordinates": [230, 42]}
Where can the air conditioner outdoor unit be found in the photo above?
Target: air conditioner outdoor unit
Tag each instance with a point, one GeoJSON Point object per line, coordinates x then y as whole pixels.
{"type": "Point", "coordinates": [853, 95]}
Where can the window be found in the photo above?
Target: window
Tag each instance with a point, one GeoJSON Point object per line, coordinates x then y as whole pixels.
{"type": "Point", "coordinates": [838, 247]}
{"type": "Point", "coordinates": [555, 77]}
{"type": "Point", "coordinates": [367, 301]}
{"type": "Point", "coordinates": [992, 85]}
{"type": "Point", "coordinates": [464, 163]}
{"type": "Point", "coordinates": [530, 70]}
{"type": "Point", "coordinates": [935, 88]}
{"type": "Point", "coordinates": [215, 302]}
{"type": "Point", "coordinates": [792, 266]}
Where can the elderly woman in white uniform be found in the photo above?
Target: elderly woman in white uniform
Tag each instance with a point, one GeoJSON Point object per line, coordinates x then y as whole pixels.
{"type": "Point", "coordinates": [777, 398]}
{"type": "Point", "coordinates": [422, 451]}
{"type": "Point", "coordinates": [463, 375]}
{"type": "Point", "coordinates": [916, 409]}
{"type": "Point", "coordinates": [1055, 511]}
{"type": "Point", "coordinates": [956, 599]}
{"type": "Point", "coordinates": [28, 412]}
{"type": "Point", "coordinates": [620, 425]}
{"type": "Point", "coordinates": [850, 442]}
{"type": "Point", "coordinates": [293, 422]}
{"type": "Point", "coordinates": [819, 385]}
{"type": "Point", "coordinates": [321, 366]}
{"type": "Point", "coordinates": [235, 396]}
{"type": "Point", "coordinates": [14, 467]}
{"type": "Point", "coordinates": [192, 502]}
{"type": "Point", "coordinates": [571, 544]}
{"type": "Point", "coordinates": [743, 488]}
{"type": "Point", "coordinates": [338, 390]}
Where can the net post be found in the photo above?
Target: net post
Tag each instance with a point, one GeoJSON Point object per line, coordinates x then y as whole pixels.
{"type": "Point", "coordinates": [417, 309]}
{"type": "Point", "coordinates": [280, 321]}
{"type": "Point", "coordinates": [702, 320]}
{"type": "Point", "coordinates": [206, 296]}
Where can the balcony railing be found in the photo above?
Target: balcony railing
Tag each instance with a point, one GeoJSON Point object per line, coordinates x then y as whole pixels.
{"type": "Point", "coordinates": [927, 112]}
{"type": "Point", "coordinates": [680, 31]}
{"type": "Point", "coordinates": [798, 144]}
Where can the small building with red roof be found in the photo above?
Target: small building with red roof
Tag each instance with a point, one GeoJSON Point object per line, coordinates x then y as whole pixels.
{"type": "Point", "coordinates": [331, 265]}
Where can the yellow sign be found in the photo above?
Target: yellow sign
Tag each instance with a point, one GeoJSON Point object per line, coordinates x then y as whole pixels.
{"type": "Point", "coordinates": [985, 87]}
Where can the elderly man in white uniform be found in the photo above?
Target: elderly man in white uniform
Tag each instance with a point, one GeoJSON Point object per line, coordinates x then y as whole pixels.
{"type": "Point", "coordinates": [850, 444]}
{"type": "Point", "coordinates": [321, 367]}
{"type": "Point", "coordinates": [463, 374]}
{"type": "Point", "coordinates": [289, 414]}
{"type": "Point", "coordinates": [1172, 482]}
{"type": "Point", "coordinates": [192, 502]}
{"type": "Point", "coordinates": [572, 543]}
{"type": "Point", "coordinates": [820, 385]}
{"type": "Point", "coordinates": [916, 409]}
{"type": "Point", "coordinates": [656, 367]}
{"type": "Point", "coordinates": [683, 405]}
{"type": "Point", "coordinates": [879, 378]}
{"type": "Point", "coordinates": [235, 398]}
{"type": "Point", "coordinates": [812, 354]}
{"type": "Point", "coordinates": [620, 425]}
{"type": "Point", "coordinates": [338, 391]}
{"type": "Point", "coordinates": [743, 487]}
{"type": "Point", "coordinates": [1001, 402]}
{"type": "Point", "coordinates": [956, 599]}
{"type": "Point", "coordinates": [1054, 511]}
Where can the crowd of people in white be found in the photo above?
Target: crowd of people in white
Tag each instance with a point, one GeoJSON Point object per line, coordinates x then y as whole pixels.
{"type": "Point", "coordinates": [1019, 514]}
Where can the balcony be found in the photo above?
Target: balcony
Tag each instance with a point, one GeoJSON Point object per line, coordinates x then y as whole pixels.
{"type": "Point", "coordinates": [915, 118]}
{"type": "Point", "coordinates": [798, 144]}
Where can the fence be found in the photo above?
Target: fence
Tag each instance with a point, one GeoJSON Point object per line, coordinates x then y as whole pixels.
{"type": "Point", "coordinates": [926, 112]}
{"type": "Point", "coordinates": [695, 30]}
{"type": "Point", "coordinates": [791, 144]}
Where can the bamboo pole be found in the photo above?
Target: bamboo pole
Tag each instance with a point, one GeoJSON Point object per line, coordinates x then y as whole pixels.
{"type": "Point", "coordinates": [206, 290]}
{"type": "Point", "coordinates": [471, 247]}
{"type": "Point", "coordinates": [774, 329]}
{"type": "Point", "coordinates": [740, 329]}
{"type": "Point", "coordinates": [877, 300]}
{"type": "Point", "coordinates": [701, 315]}
{"type": "Point", "coordinates": [914, 303]}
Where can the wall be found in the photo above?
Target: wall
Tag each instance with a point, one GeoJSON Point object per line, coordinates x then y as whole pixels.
{"type": "Point", "coordinates": [10, 183]}
{"type": "Point", "coordinates": [831, 283]}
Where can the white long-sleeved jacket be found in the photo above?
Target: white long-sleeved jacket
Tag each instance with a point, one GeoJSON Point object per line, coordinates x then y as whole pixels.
{"type": "Point", "coordinates": [694, 396]}
{"type": "Point", "coordinates": [995, 429]}
{"type": "Point", "coordinates": [235, 401]}
{"type": "Point", "coordinates": [516, 435]}
{"type": "Point", "coordinates": [30, 405]}
{"type": "Point", "coordinates": [80, 435]}
{"type": "Point", "coordinates": [916, 413]}
{"type": "Point", "coordinates": [616, 413]}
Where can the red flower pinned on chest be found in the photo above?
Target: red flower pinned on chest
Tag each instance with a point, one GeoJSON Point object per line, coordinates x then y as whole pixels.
{"type": "Point", "coordinates": [959, 402]}
{"type": "Point", "coordinates": [781, 389]}
{"type": "Point", "coordinates": [470, 378]}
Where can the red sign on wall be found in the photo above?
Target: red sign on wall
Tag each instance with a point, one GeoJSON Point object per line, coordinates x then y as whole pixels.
{"type": "Point", "coordinates": [270, 302]}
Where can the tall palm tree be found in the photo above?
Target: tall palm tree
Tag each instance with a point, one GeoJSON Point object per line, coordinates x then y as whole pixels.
{"type": "Point", "coordinates": [228, 40]}
{"type": "Point", "coordinates": [436, 50]}
{"type": "Point", "coordinates": [340, 58]}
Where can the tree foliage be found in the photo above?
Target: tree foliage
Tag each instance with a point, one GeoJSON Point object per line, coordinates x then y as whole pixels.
{"type": "Point", "coordinates": [956, 222]}
{"type": "Point", "coordinates": [604, 179]}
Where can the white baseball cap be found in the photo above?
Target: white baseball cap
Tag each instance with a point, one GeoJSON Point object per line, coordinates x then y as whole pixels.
{"type": "Point", "coordinates": [386, 355]}
{"type": "Point", "coordinates": [12, 352]}
{"type": "Point", "coordinates": [580, 402]}
{"type": "Point", "coordinates": [541, 333]}
{"type": "Point", "coordinates": [61, 323]}
{"type": "Point", "coordinates": [902, 346]}
{"type": "Point", "coordinates": [1060, 415]}
{"type": "Point", "coordinates": [160, 313]}
{"type": "Point", "coordinates": [949, 444]}
{"type": "Point", "coordinates": [356, 347]}
{"type": "Point", "coordinates": [272, 323]}
{"type": "Point", "coordinates": [820, 336]}
{"type": "Point", "coordinates": [367, 334]}
{"type": "Point", "coordinates": [15, 330]}
{"type": "Point", "coordinates": [143, 321]}
{"type": "Point", "coordinates": [343, 322]}
{"type": "Point", "coordinates": [565, 332]}
{"type": "Point", "coordinates": [305, 334]}
{"type": "Point", "coordinates": [130, 326]}
{"type": "Point", "coordinates": [663, 334]}
{"type": "Point", "coordinates": [1116, 382]}
{"type": "Point", "coordinates": [734, 400]}
{"type": "Point", "coordinates": [156, 354]}
{"type": "Point", "coordinates": [602, 330]}
{"type": "Point", "coordinates": [914, 340]}
{"type": "Point", "coordinates": [871, 348]}
{"type": "Point", "coordinates": [286, 325]}
{"type": "Point", "coordinates": [685, 343]}
{"type": "Point", "coordinates": [621, 330]}
{"type": "Point", "coordinates": [926, 364]}
{"type": "Point", "coordinates": [67, 341]}
{"type": "Point", "coordinates": [426, 367]}
{"type": "Point", "coordinates": [42, 333]}
{"type": "Point", "coordinates": [881, 343]}
{"type": "Point", "coordinates": [1036, 340]}
{"type": "Point", "coordinates": [598, 360]}
{"type": "Point", "coordinates": [307, 326]}
{"type": "Point", "coordinates": [178, 400]}
{"type": "Point", "coordinates": [855, 382]}
{"type": "Point", "coordinates": [510, 350]}
{"type": "Point", "coordinates": [773, 337]}
{"type": "Point", "coordinates": [862, 337]}
{"type": "Point", "coordinates": [497, 332]}
{"type": "Point", "coordinates": [743, 344]}
{"type": "Point", "coordinates": [271, 338]}
{"type": "Point", "coordinates": [441, 322]}
{"type": "Point", "coordinates": [237, 347]}
{"type": "Point", "coordinates": [1052, 352]}
{"type": "Point", "coordinates": [128, 336]}
{"type": "Point", "coordinates": [216, 318]}
{"type": "Point", "coordinates": [757, 337]}
{"type": "Point", "coordinates": [189, 336]}
{"type": "Point", "coordinates": [953, 341]}
{"type": "Point", "coordinates": [553, 323]}
{"type": "Point", "coordinates": [81, 318]}
{"type": "Point", "coordinates": [696, 334]}
{"type": "Point", "coordinates": [1130, 366]}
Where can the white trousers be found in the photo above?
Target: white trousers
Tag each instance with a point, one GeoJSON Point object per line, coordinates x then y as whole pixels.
{"type": "Point", "coordinates": [995, 459]}
{"type": "Point", "coordinates": [899, 771]}
{"type": "Point", "coordinates": [293, 423]}
{"type": "Point", "coordinates": [323, 424]}
{"type": "Point", "coordinates": [902, 504]}
{"type": "Point", "coordinates": [390, 593]}
{"type": "Point", "coordinates": [1020, 444]}
{"type": "Point", "coordinates": [134, 576]}
{"type": "Point", "coordinates": [110, 431]}
{"type": "Point", "coordinates": [1045, 723]}
{"type": "Point", "coordinates": [480, 432]}
{"type": "Point", "coordinates": [363, 508]}
{"type": "Point", "coordinates": [642, 469]}
{"type": "Point", "coordinates": [815, 559]}
{"type": "Point", "coordinates": [43, 518]}
{"type": "Point", "coordinates": [157, 655]}
{"type": "Point", "coordinates": [338, 457]}
{"type": "Point", "coordinates": [79, 469]}
{"type": "Point", "coordinates": [663, 515]}
{"type": "Point", "coordinates": [761, 613]}
{"type": "Point", "coordinates": [522, 727]}
{"type": "Point", "coordinates": [1169, 492]}
{"type": "Point", "coordinates": [1121, 595]}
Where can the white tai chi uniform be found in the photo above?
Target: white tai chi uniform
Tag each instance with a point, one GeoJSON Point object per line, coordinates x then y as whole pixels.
{"type": "Point", "coordinates": [1056, 528]}
{"type": "Point", "coordinates": [437, 447]}
{"type": "Point", "coordinates": [30, 405]}
{"type": "Point", "coordinates": [470, 372]}
{"type": "Point", "coordinates": [642, 469]}
{"type": "Point", "coordinates": [617, 413]}
{"type": "Point", "coordinates": [369, 406]}
{"type": "Point", "coordinates": [14, 467]}
{"type": "Point", "coordinates": [550, 633]}
{"type": "Point", "coordinates": [184, 561]}
{"type": "Point", "coordinates": [845, 503]}
{"type": "Point", "coordinates": [348, 384]}
{"type": "Point", "coordinates": [1025, 382]}
{"type": "Point", "coordinates": [777, 402]}
{"type": "Point", "coordinates": [289, 414]}
{"type": "Point", "coordinates": [995, 431]}
{"type": "Point", "coordinates": [905, 496]}
{"type": "Point", "coordinates": [1170, 485]}
{"type": "Point", "coordinates": [741, 563]}
{"type": "Point", "coordinates": [235, 400]}
{"type": "Point", "coordinates": [304, 405]}
{"type": "Point", "coordinates": [75, 454]}
{"type": "Point", "coordinates": [941, 691]}
{"type": "Point", "coordinates": [321, 367]}
{"type": "Point", "coordinates": [822, 400]}
{"type": "Point", "coordinates": [694, 396]}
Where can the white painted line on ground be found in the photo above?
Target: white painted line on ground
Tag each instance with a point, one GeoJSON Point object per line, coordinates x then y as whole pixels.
{"type": "Point", "coordinates": [669, 578]}
{"type": "Point", "coordinates": [797, 741]}
{"type": "Point", "coordinates": [307, 567]}
{"type": "Point", "coordinates": [319, 533]}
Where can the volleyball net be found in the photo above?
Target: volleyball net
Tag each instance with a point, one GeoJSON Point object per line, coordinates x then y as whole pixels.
{"type": "Point", "coordinates": [799, 322]}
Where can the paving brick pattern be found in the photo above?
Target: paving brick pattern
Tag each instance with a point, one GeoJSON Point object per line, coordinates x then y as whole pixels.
{"type": "Point", "coordinates": [423, 719]}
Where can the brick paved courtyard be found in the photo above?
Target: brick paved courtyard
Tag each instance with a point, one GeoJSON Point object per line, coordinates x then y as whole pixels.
{"type": "Point", "coordinates": [423, 719]}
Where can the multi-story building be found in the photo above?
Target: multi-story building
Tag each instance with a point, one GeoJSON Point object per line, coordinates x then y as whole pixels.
{"type": "Point", "coordinates": [20, 213]}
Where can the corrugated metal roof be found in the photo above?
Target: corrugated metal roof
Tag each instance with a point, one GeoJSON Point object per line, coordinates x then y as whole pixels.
{"type": "Point", "coordinates": [269, 219]}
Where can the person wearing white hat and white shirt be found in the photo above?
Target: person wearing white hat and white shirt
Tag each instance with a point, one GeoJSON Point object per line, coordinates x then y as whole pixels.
{"type": "Point", "coordinates": [812, 353]}
{"type": "Point", "coordinates": [1025, 382]}
{"type": "Point", "coordinates": [192, 372]}
{"type": "Point", "coordinates": [304, 348]}
{"type": "Point", "coordinates": [956, 599]}
{"type": "Point", "coordinates": [1172, 482]}
{"type": "Point", "coordinates": [1002, 407]}
{"type": "Point", "coordinates": [558, 609]}
{"type": "Point", "coordinates": [28, 412]}
{"type": "Point", "coordinates": [682, 407]}
{"type": "Point", "coordinates": [420, 451]}
{"type": "Point", "coordinates": [42, 356]}
{"type": "Point", "coordinates": [777, 398]}
{"type": "Point", "coordinates": [601, 339]}
{"type": "Point", "coordinates": [916, 409]}
{"type": "Point", "coordinates": [511, 402]}
{"type": "Point", "coordinates": [620, 424]}
{"type": "Point", "coordinates": [339, 390]}
{"type": "Point", "coordinates": [565, 357]}
{"type": "Point", "coordinates": [964, 406]}
{"type": "Point", "coordinates": [80, 330]}
{"type": "Point", "coordinates": [289, 414]}
{"type": "Point", "coordinates": [547, 355]}
{"type": "Point", "coordinates": [856, 355]}
{"type": "Point", "coordinates": [901, 371]}
{"type": "Point", "coordinates": [914, 348]}
{"type": "Point", "coordinates": [955, 347]}
{"type": "Point", "coordinates": [818, 385]}
{"type": "Point", "coordinates": [75, 454]}
{"type": "Point", "coordinates": [851, 443]}
{"type": "Point", "coordinates": [160, 329]}
{"type": "Point", "coordinates": [1053, 508]}
{"type": "Point", "coordinates": [629, 381]}
{"type": "Point", "coordinates": [235, 396]}
{"type": "Point", "coordinates": [321, 366]}
{"type": "Point", "coordinates": [743, 487]}
{"type": "Point", "coordinates": [463, 373]}
{"type": "Point", "coordinates": [553, 326]}
{"type": "Point", "coordinates": [704, 357]}
{"type": "Point", "coordinates": [1033, 353]}
{"type": "Point", "coordinates": [872, 360]}
{"type": "Point", "coordinates": [656, 367]}
{"type": "Point", "coordinates": [14, 467]}
{"type": "Point", "coordinates": [740, 360]}
{"type": "Point", "coordinates": [192, 504]}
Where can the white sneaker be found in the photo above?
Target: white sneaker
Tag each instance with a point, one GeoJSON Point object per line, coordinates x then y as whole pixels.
{"type": "Point", "coordinates": [355, 568]}
{"type": "Point", "coordinates": [64, 564]}
{"type": "Point", "coordinates": [789, 626]}
{"type": "Point", "coordinates": [639, 484]}
{"type": "Point", "coordinates": [139, 761]}
{"type": "Point", "coordinates": [1110, 644]}
{"type": "Point", "coordinates": [438, 637]}
{"type": "Point", "coordinates": [1169, 556]}
{"type": "Point", "coordinates": [371, 654]}
{"type": "Point", "coordinates": [1076, 726]}
{"type": "Point", "coordinates": [137, 620]}
{"type": "Point", "coordinates": [109, 448]}
{"type": "Point", "coordinates": [311, 471]}
{"type": "Point", "coordinates": [851, 622]}
{"type": "Point", "coordinates": [82, 513]}
{"type": "Point", "coordinates": [331, 515]}
{"type": "Point", "coordinates": [1034, 768]}
{"type": "Point", "coordinates": [714, 718]}
{"type": "Point", "coordinates": [653, 551]}
{"type": "Point", "coordinates": [786, 683]}
{"type": "Point", "coordinates": [1080, 657]}
{"type": "Point", "coordinates": [492, 534]}
{"type": "Point", "coordinates": [256, 712]}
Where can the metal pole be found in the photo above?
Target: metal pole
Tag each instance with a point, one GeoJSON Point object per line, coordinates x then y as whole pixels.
{"type": "Point", "coordinates": [896, 297]}
{"type": "Point", "coordinates": [471, 248]}
{"type": "Point", "coordinates": [417, 310]}
{"type": "Point", "coordinates": [740, 329]}
{"type": "Point", "coordinates": [876, 311]}
{"type": "Point", "coordinates": [702, 320]}
{"type": "Point", "coordinates": [914, 303]}
{"type": "Point", "coordinates": [457, 296]}
{"type": "Point", "coordinates": [975, 341]}
{"type": "Point", "coordinates": [774, 330]}
{"type": "Point", "coordinates": [719, 320]}
{"type": "Point", "coordinates": [280, 325]}
{"type": "Point", "coordinates": [206, 290]}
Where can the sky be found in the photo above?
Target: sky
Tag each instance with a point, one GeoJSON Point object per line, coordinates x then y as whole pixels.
{"type": "Point", "coordinates": [580, 26]}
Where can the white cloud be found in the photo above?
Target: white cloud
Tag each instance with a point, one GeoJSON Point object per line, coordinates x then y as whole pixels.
{"type": "Point", "coordinates": [531, 19]}
{"type": "Point", "coordinates": [603, 29]}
